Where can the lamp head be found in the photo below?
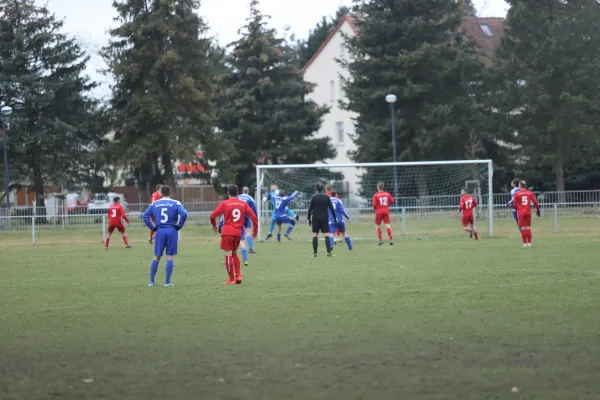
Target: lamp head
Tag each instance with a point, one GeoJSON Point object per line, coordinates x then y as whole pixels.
{"type": "Point", "coordinates": [391, 98]}
{"type": "Point", "coordinates": [6, 110]}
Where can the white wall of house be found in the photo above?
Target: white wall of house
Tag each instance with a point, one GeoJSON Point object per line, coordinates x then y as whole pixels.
{"type": "Point", "coordinates": [325, 72]}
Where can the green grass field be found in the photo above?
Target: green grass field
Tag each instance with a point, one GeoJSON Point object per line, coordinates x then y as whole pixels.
{"type": "Point", "coordinates": [438, 318]}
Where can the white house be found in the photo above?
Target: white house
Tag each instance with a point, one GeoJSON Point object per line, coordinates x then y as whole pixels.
{"type": "Point", "coordinates": [324, 70]}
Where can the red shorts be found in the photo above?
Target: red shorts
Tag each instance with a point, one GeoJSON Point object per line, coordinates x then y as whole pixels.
{"type": "Point", "coordinates": [379, 217]}
{"type": "Point", "coordinates": [230, 242]}
{"type": "Point", "coordinates": [120, 228]}
{"type": "Point", "coordinates": [524, 220]}
{"type": "Point", "coordinates": [467, 219]}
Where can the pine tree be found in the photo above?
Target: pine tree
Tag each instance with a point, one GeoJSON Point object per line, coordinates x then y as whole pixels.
{"type": "Point", "coordinates": [415, 50]}
{"type": "Point", "coordinates": [41, 78]}
{"type": "Point", "coordinates": [549, 61]}
{"type": "Point", "coordinates": [163, 97]}
{"type": "Point", "coordinates": [262, 105]}
{"type": "Point", "coordinates": [307, 48]}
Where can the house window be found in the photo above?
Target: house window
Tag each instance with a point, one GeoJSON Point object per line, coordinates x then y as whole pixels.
{"type": "Point", "coordinates": [486, 29]}
{"type": "Point", "coordinates": [342, 50]}
{"type": "Point", "coordinates": [331, 91]}
{"type": "Point", "coordinates": [339, 133]}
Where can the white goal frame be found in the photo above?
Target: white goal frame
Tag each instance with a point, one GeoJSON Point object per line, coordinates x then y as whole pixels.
{"type": "Point", "coordinates": [261, 168]}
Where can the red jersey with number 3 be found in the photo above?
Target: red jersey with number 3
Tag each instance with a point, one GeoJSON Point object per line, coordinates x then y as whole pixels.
{"type": "Point", "coordinates": [234, 212]}
{"type": "Point", "coordinates": [467, 204]}
{"type": "Point", "coordinates": [522, 202]}
{"type": "Point", "coordinates": [155, 197]}
{"type": "Point", "coordinates": [382, 202]}
{"type": "Point", "coordinates": [116, 215]}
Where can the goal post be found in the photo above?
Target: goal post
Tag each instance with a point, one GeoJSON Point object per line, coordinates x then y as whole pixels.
{"type": "Point", "coordinates": [428, 192]}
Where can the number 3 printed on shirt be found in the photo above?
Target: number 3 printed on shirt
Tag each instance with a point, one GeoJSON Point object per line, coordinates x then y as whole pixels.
{"type": "Point", "coordinates": [237, 214]}
{"type": "Point", "coordinates": [114, 213]}
{"type": "Point", "coordinates": [163, 215]}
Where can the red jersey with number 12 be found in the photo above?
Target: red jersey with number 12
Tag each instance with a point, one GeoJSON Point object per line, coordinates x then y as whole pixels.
{"type": "Point", "coordinates": [234, 212]}
{"type": "Point", "coordinates": [116, 213]}
{"type": "Point", "coordinates": [155, 197]}
{"type": "Point", "coordinates": [522, 202]}
{"type": "Point", "coordinates": [467, 204]}
{"type": "Point", "coordinates": [381, 202]}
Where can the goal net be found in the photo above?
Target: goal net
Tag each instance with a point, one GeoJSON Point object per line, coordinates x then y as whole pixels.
{"type": "Point", "coordinates": [427, 194]}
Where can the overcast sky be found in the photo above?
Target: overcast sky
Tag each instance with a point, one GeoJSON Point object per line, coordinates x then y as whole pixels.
{"type": "Point", "coordinates": [89, 20]}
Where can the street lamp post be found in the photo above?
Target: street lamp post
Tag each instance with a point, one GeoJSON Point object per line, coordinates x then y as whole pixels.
{"type": "Point", "coordinates": [6, 111]}
{"type": "Point", "coordinates": [391, 99]}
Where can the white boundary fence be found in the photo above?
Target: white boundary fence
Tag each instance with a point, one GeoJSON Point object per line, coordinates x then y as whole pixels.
{"type": "Point", "coordinates": [556, 205]}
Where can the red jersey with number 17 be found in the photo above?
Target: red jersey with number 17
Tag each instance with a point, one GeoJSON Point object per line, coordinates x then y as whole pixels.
{"type": "Point", "coordinates": [155, 197]}
{"type": "Point", "coordinates": [116, 213]}
{"type": "Point", "coordinates": [234, 212]}
{"type": "Point", "coordinates": [381, 202]}
{"type": "Point", "coordinates": [467, 204]}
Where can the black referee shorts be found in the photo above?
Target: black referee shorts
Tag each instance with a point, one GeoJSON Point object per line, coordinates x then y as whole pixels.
{"type": "Point", "coordinates": [320, 225]}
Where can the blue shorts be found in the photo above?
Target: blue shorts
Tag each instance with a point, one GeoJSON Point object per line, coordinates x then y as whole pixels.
{"type": "Point", "coordinates": [166, 239]}
{"type": "Point", "coordinates": [515, 215]}
{"type": "Point", "coordinates": [283, 220]}
{"type": "Point", "coordinates": [341, 226]}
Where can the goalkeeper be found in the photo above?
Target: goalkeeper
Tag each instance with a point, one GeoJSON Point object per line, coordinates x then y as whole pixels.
{"type": "Point", "coordinates": [273, 193]}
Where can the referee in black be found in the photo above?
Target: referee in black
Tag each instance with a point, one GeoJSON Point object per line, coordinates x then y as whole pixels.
{"type": "Point", "coordinates": [318, 217]}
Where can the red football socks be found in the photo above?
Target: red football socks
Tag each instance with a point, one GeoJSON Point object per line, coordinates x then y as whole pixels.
{"type": "Point", "coordinates": [529, 236]}
{"type": "Point", "coordinates": [389, 232]}
{"type": "Point", "coordinates": [107, 240]}
{"type": "Point", "coordinates": [237, 264]}
{"type": "Point", "coordinates": [152, 234]}
{"type": "Point", "coordinates": [125, 240]}
{"type": "Point", "coordinates": [379, 233]}
{"type": "Point", "coordinates": [229, 265]}
{"type": "Point", "coordinates": [524, 235]}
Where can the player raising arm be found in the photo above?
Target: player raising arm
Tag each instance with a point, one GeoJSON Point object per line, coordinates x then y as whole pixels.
{"type": "Point", "coordinates": [319, 210]}
{"type": "Point", "coordinates": [522, 201]}
{"type": "Point", "coordinates": [466, 206]}
{"type": "Point", "coordinates": [281, 215]}
{"type": "Point", "coordinates": [381, 202]}
{"type": "Point", "coordinates": [234, 212]}
{"type": "Point", "coordinates": [170, 217]}
{"type": "Point", "coordinates": [340, 226]}
{"type": "Point", "coordinates": [514, 189]}
{"type": "Point", "coordinates": [116, 215]}
{"type": "Point", "coordinates": [155, 197]}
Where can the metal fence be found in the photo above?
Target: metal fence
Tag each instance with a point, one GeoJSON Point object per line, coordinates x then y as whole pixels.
{"type": "Point", "coordinates": [555, 205]}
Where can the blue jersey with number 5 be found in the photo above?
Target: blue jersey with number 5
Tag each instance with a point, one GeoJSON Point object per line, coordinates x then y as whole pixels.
{"type": "Point", "coordinates": [166, 213]}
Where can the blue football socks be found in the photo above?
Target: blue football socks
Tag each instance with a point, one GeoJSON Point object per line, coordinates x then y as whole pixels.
{"type": "Point", "coordinates": [245, 254]}
{"type": "Point", "coordinates": [168, 271]}
{"type": "Point", "coordinates": [348, 242]}
{"type": "Point", "coordinates": [272, 227]}
{"type": "Point", "coordinates": [153, 270]}
{"type": "Point", "coordinates": [331, 241]}
{"type": "Point", "coordinates": [279, 236]}
{"type": "Point", "coordinates": [250, 242]}
{"type": "Point", "coordinates": [289, 230]}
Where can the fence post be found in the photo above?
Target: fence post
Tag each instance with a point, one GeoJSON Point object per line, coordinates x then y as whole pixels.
{"type": "Point", "coordinates": [403, 221]}
{"type": "Point", "coordinates": [33, 231]}
{"type": "Point", "coordinates": [104, 229]}
{"type": "Point", "coordinates": [556, 218]}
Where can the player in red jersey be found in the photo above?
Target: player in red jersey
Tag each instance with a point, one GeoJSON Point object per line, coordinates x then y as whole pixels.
{"type": "Point", "coordinates": [116, 215]}
{"type": "Point", "coordinates": [338, 234]}
{"type": "Point", "coordinates": [234, 212]}
{"type": "Point", "coordinates": [522, 202]}
{"type": "Point", "coordinates": [155, 197]}
{"type": "Point", "coordinates": [466, 206]}
{"type": "Point", "coordinates": [381, 202]}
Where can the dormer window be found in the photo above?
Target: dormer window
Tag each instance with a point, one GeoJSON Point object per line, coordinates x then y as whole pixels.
{"type": "Point", "coordinates": [486, 29]}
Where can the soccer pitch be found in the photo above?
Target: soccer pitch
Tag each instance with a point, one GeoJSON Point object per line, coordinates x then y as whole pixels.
{"type": "Point", "coordinates": [443, 317]}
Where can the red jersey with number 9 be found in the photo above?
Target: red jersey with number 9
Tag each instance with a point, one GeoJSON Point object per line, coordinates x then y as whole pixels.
{"type": "Point", "coordinates": [234, 212]}
{"type": "Point", "coordinates": [381, 202]}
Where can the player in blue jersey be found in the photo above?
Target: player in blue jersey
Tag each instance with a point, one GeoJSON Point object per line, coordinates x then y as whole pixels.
{"type": "Point", "coordinates": [281, 215]}
{"type": "Point", "coordinates": [169, 217]}
{"type": "Point", "coordinates": [245, 196]}
{"type": "Point", "coordinates": [514, 189]}
{"type": "Point", "coordinates": [340, 226]}
{"type": "Point", "coordinates": [271, 196]}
